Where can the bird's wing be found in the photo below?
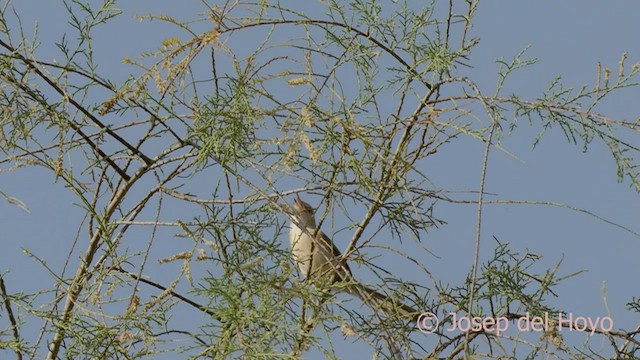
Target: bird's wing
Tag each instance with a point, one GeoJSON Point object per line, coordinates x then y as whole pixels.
{"type": "Point", "coordinates": [337, 255]}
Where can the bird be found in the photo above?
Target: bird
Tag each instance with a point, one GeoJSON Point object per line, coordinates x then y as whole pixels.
{"type": "Point", "coordinates": [321, 263]}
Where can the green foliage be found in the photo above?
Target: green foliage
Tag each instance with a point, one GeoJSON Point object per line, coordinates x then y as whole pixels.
{"type": "Point", "coordinates": [183, 171]}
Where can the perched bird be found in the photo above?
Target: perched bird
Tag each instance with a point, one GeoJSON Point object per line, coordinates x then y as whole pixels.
{"type": "Point", "coordinates": [320, 262]}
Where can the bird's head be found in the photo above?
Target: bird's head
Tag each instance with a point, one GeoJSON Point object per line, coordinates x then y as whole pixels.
{"type": "Point", "coordinates": [304, 213]}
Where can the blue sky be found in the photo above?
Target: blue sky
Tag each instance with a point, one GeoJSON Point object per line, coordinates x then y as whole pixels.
{"type": "Point", "coordinates": [569, 38]}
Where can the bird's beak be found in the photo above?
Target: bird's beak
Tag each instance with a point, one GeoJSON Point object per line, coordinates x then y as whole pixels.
{"type": "Point", "coordinates": [298, 202]}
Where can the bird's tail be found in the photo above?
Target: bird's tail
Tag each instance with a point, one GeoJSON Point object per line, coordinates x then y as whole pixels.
{"type": "Point", "coordinates": [376, 301]}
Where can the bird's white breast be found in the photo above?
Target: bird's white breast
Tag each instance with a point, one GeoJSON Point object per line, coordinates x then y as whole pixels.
{"type": "Point", "coordinates": [301, 247]}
